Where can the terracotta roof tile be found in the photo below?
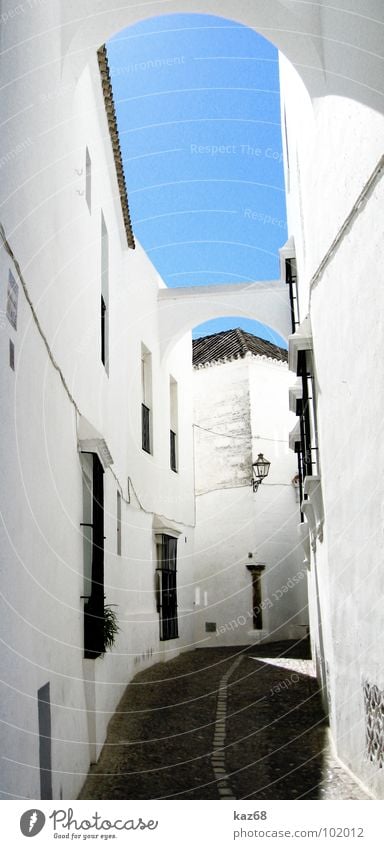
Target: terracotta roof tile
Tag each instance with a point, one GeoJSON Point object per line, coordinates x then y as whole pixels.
{"type": "Point", "coordinates": [234, 344]}
{"type": "Point", "coordinates": [114, 134]}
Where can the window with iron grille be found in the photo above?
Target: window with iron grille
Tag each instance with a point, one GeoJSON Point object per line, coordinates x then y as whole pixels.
{"type": "Point", "coordinates": [166, 587]}
{"type": "Point", "coordinates": [103, 330]}
{"type": "Point", "coordinates": [291, 280]}
{"type": "Point", "coordinates": [173, 461]}
{"type": "Point", "coordinates": [299, 453]}
{"type": "Point", "coordinates": [306, 410]}
{"type": "Point", "coordinates": [94, 536]}
{"type": "Point", "coordinates": [145, 429]}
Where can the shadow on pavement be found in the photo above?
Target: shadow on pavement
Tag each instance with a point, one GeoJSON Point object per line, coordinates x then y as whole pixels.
{"type": "Point", "coordinates": [159, 742]}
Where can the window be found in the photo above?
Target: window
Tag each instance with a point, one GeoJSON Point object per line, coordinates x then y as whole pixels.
{"type": "Point", "coordinates": [300, 475]}
{"type": "Point", "coordinates": [306, 409]}
{"type": "Point", "coordinates": [146, 396]}
{"type": "Point", "coordinates": [173, 446]}
{"type": "Point", "coordinates": [291, 280]}
{"type": "Point", "coordinates": [172, 449]}
{"type": "Point", "coordinates": [12, 355]}
{"type": "Point", "coordinates": [103, 330]}
{"type": "Point", "coordinates": [145, 429]}
{"type": "Point", "coordinates": [88, 180]}
{"type": "Point", "coordinates": [104, 295]}
{"type": "Point", "coordinates": [166, 587]}
{"type": "Point", "coordinates": [118, 523]}
{"type": "Point", "coordinates": [304, 436]}
{"type": "Point", "coordinates": [93, 524]}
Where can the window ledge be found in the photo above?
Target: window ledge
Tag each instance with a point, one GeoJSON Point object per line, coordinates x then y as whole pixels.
{"type": "Point", "coordinates": [295, 395]}
{"type": "Point", "coordinates": [294, 436]}
{"type": "Point", "coordinates": [299, 341]}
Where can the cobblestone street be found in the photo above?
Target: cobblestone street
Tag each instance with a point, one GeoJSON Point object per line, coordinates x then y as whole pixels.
{"type": "Point", "coordinates": [222, 723]}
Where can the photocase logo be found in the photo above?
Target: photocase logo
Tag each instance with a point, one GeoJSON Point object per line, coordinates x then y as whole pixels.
{"type": "Point", "coordinates": [32, 822]}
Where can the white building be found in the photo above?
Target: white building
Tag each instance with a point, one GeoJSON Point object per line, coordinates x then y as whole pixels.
{"type": "Point", "coordinates": [66, 237]}
{"type": "Point", "coordinates": [251, 585]}
{"type": "Point", "coordinates": [334, 201]}
{"type": "Point", "coordinates": [93, 504]}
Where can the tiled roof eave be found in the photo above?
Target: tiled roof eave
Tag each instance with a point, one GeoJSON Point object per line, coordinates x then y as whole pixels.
{"type": "Point", "coordinates": [114, 135]}
{"type": "Point", "coordinates": [222, 360]}
{"type": "Point", "coordinates": [234, 344]}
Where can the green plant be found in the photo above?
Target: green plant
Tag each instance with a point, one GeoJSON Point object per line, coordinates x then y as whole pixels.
{"type": "Point", "coordinates": [111, 628]}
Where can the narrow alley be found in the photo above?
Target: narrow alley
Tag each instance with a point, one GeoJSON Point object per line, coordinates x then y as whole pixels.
{"type": "Point", "coordinates": [191, 336]}
{"type": "Point", "coordinates": [222, 723]}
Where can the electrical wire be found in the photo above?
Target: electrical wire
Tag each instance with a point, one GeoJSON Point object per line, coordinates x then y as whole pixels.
{"type": "Point", "coordinates": [127, 498]}
{"type": "Point", "coordinates": [234, 436]}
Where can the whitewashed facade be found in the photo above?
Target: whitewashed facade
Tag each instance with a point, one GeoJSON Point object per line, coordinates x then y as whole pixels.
{"type": "Point", "coordinates": [241, 536]}
{"type": "Point", "coordinates": [65, 227]}
{"type": "Point", "coordinates": [51, 111]}
{"type": "Point", "coordinates": [334, 170]}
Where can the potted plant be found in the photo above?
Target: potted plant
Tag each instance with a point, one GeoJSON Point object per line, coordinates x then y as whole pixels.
{"type": "Point", "coordinates": [111, 628]}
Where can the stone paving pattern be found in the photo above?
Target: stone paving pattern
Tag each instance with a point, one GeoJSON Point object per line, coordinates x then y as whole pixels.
{"type": "Point", "coordinates": [160, 740]}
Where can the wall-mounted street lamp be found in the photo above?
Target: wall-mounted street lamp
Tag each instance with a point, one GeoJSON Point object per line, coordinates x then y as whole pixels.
{"type": "Point", "coordinates": [260, 471]}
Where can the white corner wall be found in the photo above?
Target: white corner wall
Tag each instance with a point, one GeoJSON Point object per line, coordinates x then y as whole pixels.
{"type": "Point", "coordinates": [337, 148]}
{"type": "Point", "coordinates": [56, 240]}
{"type": "Point", "coordinates": [245, 401]}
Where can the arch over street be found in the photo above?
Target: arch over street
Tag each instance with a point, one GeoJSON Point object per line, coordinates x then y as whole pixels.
{"type": "Point", "coordinates": [181, 309]}
{"type": "Point", "coordinates": [330, 47]}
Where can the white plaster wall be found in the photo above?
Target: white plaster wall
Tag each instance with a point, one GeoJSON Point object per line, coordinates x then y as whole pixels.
{"type": "Point", "coordinates": [340, 146]}
{"type": "Point", "coordinates": [246, 401]}
{"type": "Point", "coordinates": [334, 144]}
{"type": "Point", "coordinates": [57, 242]}
{"type": "Point", "coordinates": [352, 464]}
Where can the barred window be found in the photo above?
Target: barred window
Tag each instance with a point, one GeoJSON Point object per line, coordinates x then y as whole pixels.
{"type": "Point", "coordinates": [306, 408]}
{"type": "Point", "coordinates": [172, 450]}
{"type": "Point", "coordinates": [166, 587]}
{"type": "Point", "coordinates": [93, 524]}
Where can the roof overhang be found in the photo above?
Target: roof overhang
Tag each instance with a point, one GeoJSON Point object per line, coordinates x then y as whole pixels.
{"type": "Point", "coordinates": [90, 441]}
{"type": "Point", "coordinates": [162, 526]}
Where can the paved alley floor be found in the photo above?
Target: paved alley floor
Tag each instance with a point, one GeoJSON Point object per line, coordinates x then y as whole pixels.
{"type": "Point", "coordinates": [222, 723]}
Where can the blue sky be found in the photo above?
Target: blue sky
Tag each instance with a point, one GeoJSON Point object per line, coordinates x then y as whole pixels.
{"type": "Point", "coordinates": [198, 109]}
